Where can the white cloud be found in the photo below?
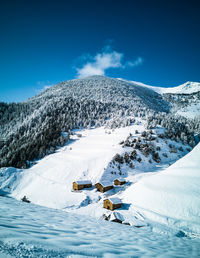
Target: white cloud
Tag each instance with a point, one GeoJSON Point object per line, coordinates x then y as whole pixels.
{"type": "Point", "coordinates": [101, 62]}
{"type": "Point", "coordinates": [137, 62]}
{"type": "Point", "coordinates": [105, 60]}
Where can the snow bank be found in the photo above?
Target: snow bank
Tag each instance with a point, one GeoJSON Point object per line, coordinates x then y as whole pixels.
{"type": "Point", "coordinates": [172, 196]}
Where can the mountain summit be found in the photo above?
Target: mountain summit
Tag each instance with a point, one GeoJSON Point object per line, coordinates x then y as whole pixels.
{"type": "Point", "coordinates": [107, 90]}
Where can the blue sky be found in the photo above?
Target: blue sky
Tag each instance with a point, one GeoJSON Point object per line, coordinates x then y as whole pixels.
{"type": "Point", "coordinates": [45, 42]}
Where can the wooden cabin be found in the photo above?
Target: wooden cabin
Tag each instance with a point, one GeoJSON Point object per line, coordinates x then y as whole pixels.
{"type": "Point", "coordinates": [79, 185]}
{"type": "Point", "coordinates": [119, 181]}
{"type": "Point", "coordinates": [103, 186]}
{"type": "Point", "coordinates": [112, 203]}
{"type": "Point", "coordinates": [116, 217]}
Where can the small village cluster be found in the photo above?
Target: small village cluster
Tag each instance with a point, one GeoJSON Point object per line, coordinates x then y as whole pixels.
{"type": "Point", "coordinates": [109, 203]}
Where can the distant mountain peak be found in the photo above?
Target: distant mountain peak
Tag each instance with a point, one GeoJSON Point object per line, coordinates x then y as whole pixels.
{"type": "Point", "coordinates": [188, 87]}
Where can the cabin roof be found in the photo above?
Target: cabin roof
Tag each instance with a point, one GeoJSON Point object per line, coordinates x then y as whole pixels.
{"type": "Point", "coordinates": [116, 215]}
{"type": "Point", "coordinates": [115, 200]}
{"type": "Point", "coordinates": [105, 183]}
{"type": "Point", "coordinates": [83, 182]}
{"type": "Point", "coordinates": [120, 179]}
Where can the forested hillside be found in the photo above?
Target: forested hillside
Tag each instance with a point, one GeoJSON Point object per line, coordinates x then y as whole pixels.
{"type": "Point", "coordinates": [32, 129]}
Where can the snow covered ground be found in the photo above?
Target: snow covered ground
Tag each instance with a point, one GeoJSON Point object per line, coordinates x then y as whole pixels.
{"type": "Point", "coordinates": [190, 111]}
{"type": "Point", "coordinates": [160, 198]}
{"type": "Point", "coordinates": [87, 157]}
{"type": "Point", "coordinates": [171, 196]}
{"type": "Point", "coordinates": [49, 182]}
{"type": "Point", "coordinates": [27, 230]}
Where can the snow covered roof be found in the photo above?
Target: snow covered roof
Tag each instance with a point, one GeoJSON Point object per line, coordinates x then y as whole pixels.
{"type": "Point", "coordinates": [83, 182]}
{"type": "Point", "coordinates": [104, 183]}
{"type": "Point", "coordinates": [116, 215]}
{"type": "Point", "coordinates": [115, 200]}
{"type": "Point", "coordinates": [120, 179]}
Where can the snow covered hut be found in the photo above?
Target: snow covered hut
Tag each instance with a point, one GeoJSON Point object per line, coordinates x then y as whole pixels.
{"type": "Point", "coordinates": [25, 199]}
{"type": "Point", "coordinates": [78, 185]}
{"type": "Point", "coordinates": [119, 181]}
{"type": "Point", "coordinates": [103, 186]}
{"type": "Point", "coordinates": [116, 217]}
{"type": "Point", "coordinates": [112, 203]}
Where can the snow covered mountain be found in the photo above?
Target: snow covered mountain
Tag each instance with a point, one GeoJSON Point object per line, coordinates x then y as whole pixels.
{"type": "Point", "coordinates": [184, 99]}
{"type": "Point", "coordinates": [33, 129]}
{"type": "Point", "coordinates": [101, 129]}
{"type": "Point", "coordinates": [107, 90]}
{"type": "Point", "coordinates": [185, 88]}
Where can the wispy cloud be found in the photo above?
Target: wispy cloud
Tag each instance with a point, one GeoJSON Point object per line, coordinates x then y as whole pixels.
{"type": "Point", "coordinates": [47, 86]}
{"type": "Point", "coordinates": [103, 61]}
{"type": "Point", "coordinates": [138, 61]}
{"type": "Point", "coordinates": [42, 85]}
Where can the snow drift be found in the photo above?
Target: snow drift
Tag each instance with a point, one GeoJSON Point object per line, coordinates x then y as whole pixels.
{"type": "Point", "coordinates": [171, 196]}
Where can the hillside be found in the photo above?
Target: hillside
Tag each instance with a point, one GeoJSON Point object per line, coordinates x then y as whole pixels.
{"type": "Point", "coordinates": [100, 129]}
{"type": "Point", "coordinates": [171, 196]}
{"type": "Point", "coordinates": [184, 99]}
{"type": "Point", "coordinates": [107, 90]}
{"type": "Point", "coordinates": [99, 155]}
{"type": "Point", "coordinates": [91, 154]}
{"type": "Point", "coordinates": [35, 231]}
{"type": "Point", "coordinates": [33, 129]}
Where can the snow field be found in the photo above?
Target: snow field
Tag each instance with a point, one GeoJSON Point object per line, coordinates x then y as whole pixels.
{"type": "Point", "coordinates": [171, 196]}
{"type": "Point", "coordinates": [49, 182]}
{"type": "Point", "coordinates": [167, 197]}
{"type": "Point", "coordinates": [27, 230]}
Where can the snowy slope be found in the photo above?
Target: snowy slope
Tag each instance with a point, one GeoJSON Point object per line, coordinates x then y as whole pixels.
{"type": "Point", "coordinates": [32, 129]}
{"type": "Point", "coordinates": [27, 230]}
{"type": "Point", "coordinates": [171, 196]}
{"type": "Point", "coordinates": [49, 182]}
{"type": "Point", "coordinates": [190, 111]}
{"type": "Point", "coordinates": [90, 157]}
{"type": "Point", "coordinates": [106, 90]}
{"type": "Point", "coordinates": [185, 88]}
{"type": "Point", "coordinates": [183, 98]}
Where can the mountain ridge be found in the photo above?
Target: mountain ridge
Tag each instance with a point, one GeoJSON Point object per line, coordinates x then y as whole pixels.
{"type": "Point", "coordinates": [188, 87]}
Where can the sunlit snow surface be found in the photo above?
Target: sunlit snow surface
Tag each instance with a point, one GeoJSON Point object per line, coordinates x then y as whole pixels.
{"type": "Point", "coordinates": [171, 196]}
{"type": "Point", "coordinates": [27, 230]}
{"type": "Point", "coordinates": [185, 88]}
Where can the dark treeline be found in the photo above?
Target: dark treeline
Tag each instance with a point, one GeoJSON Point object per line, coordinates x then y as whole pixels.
{"type": "Point", "coordinates": [30, 132]}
